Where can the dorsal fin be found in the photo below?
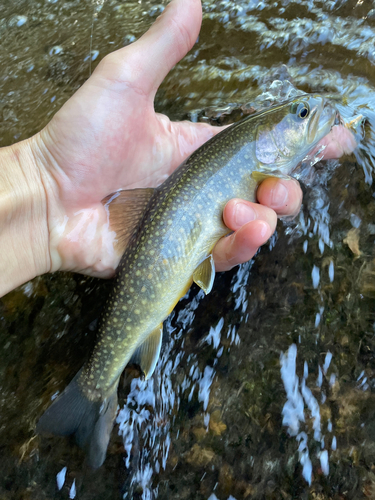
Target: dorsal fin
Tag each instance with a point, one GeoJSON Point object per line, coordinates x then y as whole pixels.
{"type": "Point", "coordinates": [125, 209]}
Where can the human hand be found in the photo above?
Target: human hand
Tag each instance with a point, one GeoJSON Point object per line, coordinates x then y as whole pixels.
{"type": "Point", "coordinates": [254, 223]}
{"type": "Point", "coordinates": [108, 137]}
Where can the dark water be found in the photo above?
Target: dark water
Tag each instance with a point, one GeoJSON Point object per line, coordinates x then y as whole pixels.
{"type": "Point", "coordinates": [265, 388]}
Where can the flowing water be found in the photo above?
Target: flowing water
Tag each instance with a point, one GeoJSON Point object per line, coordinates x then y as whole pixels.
{"type": "Point", "coordinates": [266, 387]}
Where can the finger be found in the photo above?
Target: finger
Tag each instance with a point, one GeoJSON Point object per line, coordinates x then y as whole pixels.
{"type": "Point", "coordinates": [338, 142]}
{"type": "Point", "coordinates": [239, 212]}
{"type": "Point", "coordinates": [241, 246]}
{"type": "Point", "coordinates": [283, 196]}
{"type": "Point", "coordinates": [145, 63]}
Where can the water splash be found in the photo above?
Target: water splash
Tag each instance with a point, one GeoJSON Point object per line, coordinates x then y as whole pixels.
{"type": "Point", "coordinates": [238, 286]}
{"type": "Point", "coordinates": [60, 478]}
{"type": "Point", "coordinates": [300, 396]}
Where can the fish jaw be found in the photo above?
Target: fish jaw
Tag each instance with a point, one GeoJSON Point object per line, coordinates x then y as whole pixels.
{"type": "Point", "coordinates": [323, 119]}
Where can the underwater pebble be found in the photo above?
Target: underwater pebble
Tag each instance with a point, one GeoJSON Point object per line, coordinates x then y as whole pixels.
{"type": "Point", "coordinates": [352, 240]}
{"type": "Point", "coordinates": [199, 457]}
{"type": "Point", "coordinates": [226, 478]}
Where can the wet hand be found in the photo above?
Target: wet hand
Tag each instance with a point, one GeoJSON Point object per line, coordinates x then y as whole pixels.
{"type": "Point", "coordinates": [254, 223]}
{"type": "Point", "coordinates": [108, 137]}
{"type": "Point", "coordinates": [105, 138]}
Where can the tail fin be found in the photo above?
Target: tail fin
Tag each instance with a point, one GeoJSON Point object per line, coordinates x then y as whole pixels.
{"type": "Point", "coordinates": [90, 421]}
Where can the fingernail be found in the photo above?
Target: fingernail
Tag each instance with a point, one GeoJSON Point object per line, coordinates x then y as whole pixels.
{"type": "Point", "coordinates": [279, 195]}
{"type": "Point", "coordinates": [243, 214]}
{"type": "Point", "coordinates": [263, 229]}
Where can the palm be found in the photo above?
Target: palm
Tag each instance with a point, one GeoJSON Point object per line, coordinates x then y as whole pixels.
{"type": "Point", "coordinates": [102, 142]}
{"type": "Point", "coordinates": [108, 137]}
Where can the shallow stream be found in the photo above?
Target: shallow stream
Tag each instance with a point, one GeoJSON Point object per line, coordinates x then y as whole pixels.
{"type": "Point", "coordinates": [266, 387]}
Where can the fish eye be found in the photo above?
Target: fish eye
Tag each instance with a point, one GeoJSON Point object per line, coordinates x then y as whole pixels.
{"type": "Point", "coordinates": [301, 109]}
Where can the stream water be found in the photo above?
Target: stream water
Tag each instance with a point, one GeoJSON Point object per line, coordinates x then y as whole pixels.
{"type": "Point", "coordinates": [266, 387]}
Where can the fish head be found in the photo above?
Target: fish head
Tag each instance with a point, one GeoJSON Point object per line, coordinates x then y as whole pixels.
{"type": "Point", "coordinates": [288, 132]}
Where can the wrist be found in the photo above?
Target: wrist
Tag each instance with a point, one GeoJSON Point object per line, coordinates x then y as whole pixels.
{"type": "Point", "coordinates": [24, 240]}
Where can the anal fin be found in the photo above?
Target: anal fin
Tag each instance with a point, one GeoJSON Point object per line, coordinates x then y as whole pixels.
{"type": "Point", "coordinates": [204, 274]}
{"type": "Point", "coordinates": [147, 354]}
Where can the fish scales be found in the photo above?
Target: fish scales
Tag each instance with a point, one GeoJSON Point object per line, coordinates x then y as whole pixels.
{"type": "Point", "coordinates": [173, 240]}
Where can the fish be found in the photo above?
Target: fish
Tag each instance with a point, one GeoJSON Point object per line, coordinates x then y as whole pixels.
{"type": "Point", "coordinates": [168, 234]}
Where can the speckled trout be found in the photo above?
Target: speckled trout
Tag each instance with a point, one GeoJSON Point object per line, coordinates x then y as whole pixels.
{"type": "Point", "coordinates": [169, 234]}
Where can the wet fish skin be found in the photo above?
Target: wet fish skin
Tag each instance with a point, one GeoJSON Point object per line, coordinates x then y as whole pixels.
{"type": "Point", "coordinates": [170, 246]}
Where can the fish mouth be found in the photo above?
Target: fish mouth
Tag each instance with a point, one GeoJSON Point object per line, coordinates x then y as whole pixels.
{"type": "Point", "coordinates": [322, 118]}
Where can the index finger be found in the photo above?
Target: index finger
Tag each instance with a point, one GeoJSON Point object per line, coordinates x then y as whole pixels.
{"type": "Point", "coordinates": [283, 196]}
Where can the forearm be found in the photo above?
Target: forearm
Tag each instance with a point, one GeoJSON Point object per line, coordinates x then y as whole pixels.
{"type": "Point", "coordinates": [24, 241]}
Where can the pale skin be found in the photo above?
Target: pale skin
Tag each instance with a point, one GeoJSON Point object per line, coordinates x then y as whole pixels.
{"type": "Point", "coordinates": [108, 137]}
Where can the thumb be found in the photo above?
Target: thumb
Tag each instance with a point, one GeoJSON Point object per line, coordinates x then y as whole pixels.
{"type": "Point", "coordinates": [145, 63]}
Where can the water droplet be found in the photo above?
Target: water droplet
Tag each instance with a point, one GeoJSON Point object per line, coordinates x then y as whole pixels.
{"type": "Point", "coordinates": [324, 462]}
{"type": "Point", "coordinates": [17, 21]}
{"type": "Point", "coordinates": [93, 55]}
{"type": "Point", "coordinates": [56, 49]}
{"type": "Point", "coordinates": [331, 271]}
{"type": "Point", "coordinates": [315, 274]}
{"type": "Point", "coordinates": [60, 478]}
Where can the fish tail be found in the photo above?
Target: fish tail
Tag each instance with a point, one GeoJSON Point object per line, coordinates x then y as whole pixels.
{"type": "Point", "coordinates": [90, 421]}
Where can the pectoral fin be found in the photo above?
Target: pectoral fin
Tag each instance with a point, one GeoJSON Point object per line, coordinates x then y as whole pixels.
{"type": "Point", "coordinates": [147, 354]}
{"type": "Point", "coordinates": [204, 274]}
{"type": "Point", "coordinates": [125, 210]}
{"type": "Point", "coordinates": [261, 176]}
